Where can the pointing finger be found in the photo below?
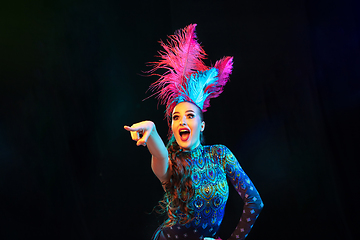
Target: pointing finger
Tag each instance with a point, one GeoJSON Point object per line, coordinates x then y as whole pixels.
{"type": "Point", "coordinates": [131, 128]}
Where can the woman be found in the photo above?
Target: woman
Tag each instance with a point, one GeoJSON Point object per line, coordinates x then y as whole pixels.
{"type": "Point", "coordinates": [194, 176]}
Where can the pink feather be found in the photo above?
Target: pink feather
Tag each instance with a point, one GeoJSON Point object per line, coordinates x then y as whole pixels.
{"type": "Point", "coordinates": [182, 56]}
{"type": "Point", "coordinates": [224, 67]}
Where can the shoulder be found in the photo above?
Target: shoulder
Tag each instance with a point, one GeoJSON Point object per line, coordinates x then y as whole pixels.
{"type": "Point", "coordinates": [216, 147]}
{"type": "Point", "coordinates": [217, 150]}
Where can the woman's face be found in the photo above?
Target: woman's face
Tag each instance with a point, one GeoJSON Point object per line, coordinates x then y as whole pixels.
{"type": "Point", "coordinates": [186, 125]}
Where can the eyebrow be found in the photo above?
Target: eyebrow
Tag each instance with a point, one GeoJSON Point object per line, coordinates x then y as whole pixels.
{"type": "Point", "coordinates": [185, 111]}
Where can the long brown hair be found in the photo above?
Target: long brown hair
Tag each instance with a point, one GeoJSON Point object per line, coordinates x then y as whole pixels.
{"type": "Point", "coordinates": [178, 190]}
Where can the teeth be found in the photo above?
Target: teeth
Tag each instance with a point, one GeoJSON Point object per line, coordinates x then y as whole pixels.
{"type": "Point", "coordinates": [184, 131]}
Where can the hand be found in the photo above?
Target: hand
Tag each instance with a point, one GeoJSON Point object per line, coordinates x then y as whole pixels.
{"type": "Point", "coordinates": [140, 132]}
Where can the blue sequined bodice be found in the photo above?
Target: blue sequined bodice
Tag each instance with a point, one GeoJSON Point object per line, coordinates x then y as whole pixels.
{"type": "Point", "coordinates": [211, 167]}
{"type": "Point", "coordinates": [211, 188]}
{"type": "Point", "coordinates": [211, 192]}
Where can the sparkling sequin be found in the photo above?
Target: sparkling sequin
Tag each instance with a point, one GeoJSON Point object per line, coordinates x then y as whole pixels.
{"type": "Point", "coordinates": [210, 167]}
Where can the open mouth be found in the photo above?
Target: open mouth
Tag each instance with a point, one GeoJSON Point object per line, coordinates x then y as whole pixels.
{"type": "Point", "coordinates": [184, 134]}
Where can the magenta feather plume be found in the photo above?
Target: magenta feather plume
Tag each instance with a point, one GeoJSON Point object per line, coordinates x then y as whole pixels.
{"type": "Point", "coordinates": [186, 77]}
{"type": "Point", "coordinates": [224, 67]}
{"type": "Point", "coordinates": [182, 56]}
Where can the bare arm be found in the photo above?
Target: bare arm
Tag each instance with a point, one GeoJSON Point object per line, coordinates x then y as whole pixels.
{"type": "Point", "coordinates": [144, 133]}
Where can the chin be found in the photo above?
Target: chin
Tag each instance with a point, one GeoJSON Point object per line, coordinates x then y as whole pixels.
{"type": "Point", "coordinates": [183, 145]}
{"type": "Point", "coordinates": [186, 145]}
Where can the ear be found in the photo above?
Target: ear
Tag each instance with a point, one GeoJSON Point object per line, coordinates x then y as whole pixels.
{"type": "Point", "coordinates": [202, 126]}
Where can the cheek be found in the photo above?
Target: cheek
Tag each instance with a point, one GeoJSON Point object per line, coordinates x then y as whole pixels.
{"type": "Point", "coordinates": [197, 127]}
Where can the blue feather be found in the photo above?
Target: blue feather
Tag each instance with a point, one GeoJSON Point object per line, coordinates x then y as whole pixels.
{"type": "Point", "coordinates": [197, 84]}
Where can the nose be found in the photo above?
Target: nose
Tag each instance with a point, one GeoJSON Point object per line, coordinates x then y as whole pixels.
{"type": "Point", "coordinates": [183, 121]}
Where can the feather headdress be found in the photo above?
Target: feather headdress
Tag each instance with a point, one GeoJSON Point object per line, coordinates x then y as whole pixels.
{"type": "Point", "coordinates": [187, 78]}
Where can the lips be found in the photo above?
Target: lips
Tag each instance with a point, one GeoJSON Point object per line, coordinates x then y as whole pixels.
{"type": "Point", "coordinates": [184, 134]}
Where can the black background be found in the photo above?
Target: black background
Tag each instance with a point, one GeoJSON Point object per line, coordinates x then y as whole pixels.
{"type": "Point", "coordinates": [71, 78]}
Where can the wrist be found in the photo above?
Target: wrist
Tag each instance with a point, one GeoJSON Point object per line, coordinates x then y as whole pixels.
{"type": "Point", "coordinates": [152, 129]}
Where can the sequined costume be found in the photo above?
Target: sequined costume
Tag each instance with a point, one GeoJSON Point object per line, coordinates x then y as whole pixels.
{"type": "Point", "coordinates": [211, 166]}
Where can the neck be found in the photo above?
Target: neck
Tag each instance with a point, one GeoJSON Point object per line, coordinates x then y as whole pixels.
{"type": "Point", "coordinates": [190, 149]}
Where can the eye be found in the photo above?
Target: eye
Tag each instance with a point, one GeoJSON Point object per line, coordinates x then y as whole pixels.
{"type": "Point", "coordinates": [190, 115]}
{"type": "Point", "coordinates": [175, 117]}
